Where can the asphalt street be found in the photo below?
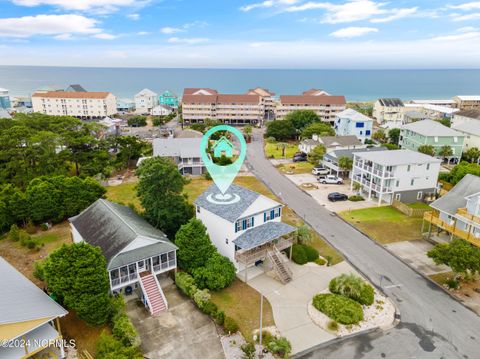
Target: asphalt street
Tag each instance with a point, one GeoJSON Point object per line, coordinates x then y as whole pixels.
{"type": "Point", "coordinates": [433, 325]}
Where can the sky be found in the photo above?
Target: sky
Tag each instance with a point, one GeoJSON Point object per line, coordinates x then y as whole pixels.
{"type": "Point", "coordinates": [286, 34]}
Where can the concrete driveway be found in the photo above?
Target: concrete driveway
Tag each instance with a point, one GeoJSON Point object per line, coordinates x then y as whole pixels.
{"type": "Point", "coordinates": [289, 301]}
{"type": "Point", "coordinates": [182, 332]}
{"type": "Point", "coordinates": [320, 194]}
{"type": "Point", "coordinates": [415, 254]}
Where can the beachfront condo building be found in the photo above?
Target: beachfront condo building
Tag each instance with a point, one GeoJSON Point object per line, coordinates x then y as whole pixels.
{"type": "Point", "coordinates": [467, 102]}
{"type": "Point", "coordinates": [85, 105]}
{"type": "Point", "coordinates": [4, 99]}
{"type": "Point", "coordinates": [199, 104]}
{"type": "Point", "coordinates": [322, 103]}
{"type": "Point", "coordinates": [268, 101]}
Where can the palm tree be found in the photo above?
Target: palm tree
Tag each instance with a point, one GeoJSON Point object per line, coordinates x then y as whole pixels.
{"type": "Point", "coordinates": [303, 234]}
{"type": "Point", "coordinates": [283, 146]}
{"type": "Point", "coordinates": [345, 163]}
{"type": "Point", "coordinates": [445, 151]}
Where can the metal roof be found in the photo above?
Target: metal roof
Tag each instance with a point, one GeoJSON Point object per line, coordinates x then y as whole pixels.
{"type": "Point", "coordinates": [431, 128]}
{"type": "Point", "coordinates": [177, 147]}
{"type": "Point", "coordinates": [259, 235]}
{"type": "Point", "coordinates": [456, 197]}
{"type": "Point", "coordinates": [337, 154]}
{"type": "Point", "coordinates": [353, 115]}
{"type": "Point", "coordinates": [470, 127]}
{"type": "Point", "coordinates": [397, 157]}
{"type": "Point", "coordinates": [21, 300]}
{"type": "Point", "coordinates": [334, 141]}
{"type": "Point", "coordinates": [112, 227]}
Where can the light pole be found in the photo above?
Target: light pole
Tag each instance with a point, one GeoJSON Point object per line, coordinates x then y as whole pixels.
{"type": "Point", "coordinates": [260, 354]}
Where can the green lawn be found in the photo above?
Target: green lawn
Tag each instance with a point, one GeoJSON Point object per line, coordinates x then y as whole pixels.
{"type": "Point", "coordinates": [124, 193]}
{"type": "Point", "coordinates": [385, 224]}
{"type": "Point", "coordinates": [273, 150]}
{"type": "Point", "coordinates": [419, 205]}
{"type": "Point", "coordinates": [296, 168]}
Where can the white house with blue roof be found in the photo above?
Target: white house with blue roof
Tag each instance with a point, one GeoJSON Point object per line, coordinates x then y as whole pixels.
{"type": "Point", "coordinates": [246, 227]}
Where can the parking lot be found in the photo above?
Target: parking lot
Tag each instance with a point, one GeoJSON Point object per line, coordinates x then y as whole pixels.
{"type": "Point", "coordinates": [320, 193]}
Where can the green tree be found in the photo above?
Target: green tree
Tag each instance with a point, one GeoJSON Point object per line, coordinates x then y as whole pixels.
{"type": "Point", "coordinates": [345, 163]}
{"type": "Point", "coordinates": [160, 190]}
{"type": "Point", "coordinates": [461, 170]}
{"type": "Point", "coordinates": [194, 245]}
{"type": "Point", "coordinates": [380, 136]}
{"type": "Point", "coordinates": [110, 348]}
{"type": "Point", "coordinates": [137, 121]}
{"type": "Point", "coordinates": [391, 146]}
{"type": "Point", "coordinates": [281, 130]}
{"type": "Point", "coordinates": [130, 148]}
{"type": "Point", "coordinates": [318, 128]}
{"type": "Point", "coordinates": [283, 146]}
{"type": "Point", "coordinates": [394, 135]}
{"type": "Point", "coordinates": [247, 130]}
{"type": "Point", "coordinates": [427, 150]}
{"type": "Point", "coordinates": [316, 154]}
{"type": "Point", "coordinates": [301, 119]}
{"type": "Point", "coordinates": [445, 121]}
{"type": "Point", "coordinates": [218, 273]}
{"type": "Point", "coordinates": [472, 155]}
{"type": "Point", "coordinates": [303, 234]}
{"type": "Point", "coordinates": [459, 255]}
{"type": "Point", "coordinates": [445, 151]}
{"type": "Point", "coordinates": [77, 274]}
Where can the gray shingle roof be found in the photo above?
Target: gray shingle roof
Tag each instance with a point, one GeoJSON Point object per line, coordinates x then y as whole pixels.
{"type": "Point", "coordinates": [470, 127]}
{"type": "Point", "coordinates": [21, 300]}
{"type": "Point", "coordinates": [336, 154]}
{"type": "Point", "coordinates": [262, 234]}
{"type": "Point", "coordinates": [112, 227]}
{"type": "Point", "coordinates": [431, 128]}
{"type": "Point", "coordinates": [391, 102]}
{"type": "Point", "coordinates": [330, 141]}
{"type": "Point", "coordinates": [177, 147]}
{"type": "Point", "coordinates": [230, 212]}
{"type": "Point", "coordinates": [455, 198]}
{"type": "Point", "coordinates": [140, 253]}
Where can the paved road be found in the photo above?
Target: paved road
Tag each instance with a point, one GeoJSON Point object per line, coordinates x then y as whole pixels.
{"type": "Point", "coordinates": [433, 325]}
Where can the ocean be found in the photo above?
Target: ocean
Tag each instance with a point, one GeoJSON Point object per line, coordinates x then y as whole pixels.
{"type": "Point", "coordinates": [355, 85]}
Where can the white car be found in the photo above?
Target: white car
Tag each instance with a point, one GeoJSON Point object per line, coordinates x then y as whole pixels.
{"type": "Point", "coordinates": [320, 170]}
{"type": "Point", "coordinates": [330, 179]}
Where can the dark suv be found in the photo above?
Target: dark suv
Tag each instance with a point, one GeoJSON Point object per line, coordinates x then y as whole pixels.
{"type": "Point", "coordinates": [336, 196]}
{"type": "Point", "coordinates": [299, 157]}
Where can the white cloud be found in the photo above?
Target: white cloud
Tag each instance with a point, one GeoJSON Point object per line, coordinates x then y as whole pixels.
{"type": "Point", "coordinates": [467, 29]}
{"type": "Point", "coordinates": [171, 30]}
{"type": "Point", "coordinates": [187, 41]}
{"type": "Point", "coordinates": [47, 25]}
{"type": "Point", "coordinates": [63, 37]}
{"type": "Point", "coordinates": [102, 6]}
{"type": "Point", "coordinates": [459, 37]}
{"type": "Point", "coordinates": [134, 17]}
{"type": "Point", "coordinates": [474, 5]}
{"type": "Point", "coordinates": [396, 14]}
{"type": "Point", "coordinates": [350, 32]}
{"type": "Point", "coordinates": [466, 17]}
{"type": "Point", "coordinates": [267, 4]}
{"type": "Point", "coordinates": [143, 33]}
{"type": "Point", "coordinates": [104, 36]}
{"type": "Point", "coordinates": [183, 28]}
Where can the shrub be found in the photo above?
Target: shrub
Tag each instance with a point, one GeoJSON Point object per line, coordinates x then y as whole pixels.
{"type": "Point", "coordinates": [299, 255]}
{"type": "Point", "coordinates": [108, 348]}
{"type": "Point", "coordinates": [210, 309]}
{"type": "Point", "coordinates": [452, 283]}
{"type": "Point", "coordinates": [280, 346]}
{"type": "Point", "coordinates": [356, 198]}
{"type": "Point", "coordinates": [248, 350]}
{"type": "Point", "coordinates": [339, 308]}
{"type": "Point", "coordinates": [320, 261]}
{"type": "Point", "coordinates": [14, 233]}
{"type": "Point", "coordinates": [267, 337]}
{"type": "Point", "coordinates": [220, 317]}
{"type": "Point", "coordinates": [201, 298]}
{"type": "Point", "coordinates": [312, 253]}
{"type": "Point", "coordinates": [124, 331]}
{"type": "Point", "coordinates": [117, 305]}
{"type": "Point", "coordinates": [218, 273]}
{"type": "Point", "coordinates": [332, 326]}
{"type": "Point", "coordinates": [230, 325]}
{"type": "Point", "coordinates": [30, 227]}
{"type": "Point", "coordinates": [352, 287]}
{"type": "Point", "coordinates": [38, 270]}
{"type": "Point", "coordinates": [44, 226]}
{"type": "Point", "coordinates": [186, 283]}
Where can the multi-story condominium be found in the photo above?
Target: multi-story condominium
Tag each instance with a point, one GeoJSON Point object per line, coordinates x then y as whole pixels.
{"type": "Point", "coordinates": [324, 105]}
{"type": "Point", "coordinates": [330, 143]}
{"type": "Point", "coordinates": [388, 110]}
{"type": "Point", "coordinates": [199, 104]}
{"type": "Point", "coordinates": [185, 152]}
{"type": "Point", "coordinates": [29, 320]}
{"type": "Point", "coordinates": [353, 123]}
{"type": "Point", "coordinates": [247, 228]}
{"type": "Point", "coordinates": [4, 99]}
{"type": "Point", "coordinates": [85, 105]}
{"type": "Point", "coordinates": [315, 92]}
{"type": "Point", "coordinates": [433, 133]}
{"type": "Point", "coordinates": [457, 213]}
{"type": "Point", "coordinates": [145, 101]}
{"type": "Point", "coordinates": [268, 101]}
{"type": "Point", "coordinates": [467, 102]}
{"type": "Point", "coordinates": [168, 98]}
{"type": "Point", "coordinates": [465, 116]}
{"type": "Point", "coordinates": [136, 252]}
{"type": "Point", "coordinates": [400, 175]}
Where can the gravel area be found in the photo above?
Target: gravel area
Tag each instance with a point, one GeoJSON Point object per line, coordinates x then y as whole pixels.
{"type": "Point", "coordinates": [381, 314]}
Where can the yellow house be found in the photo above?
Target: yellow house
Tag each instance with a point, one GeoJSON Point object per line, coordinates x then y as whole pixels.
{"type": "Point", "coordinates": [29, 319]}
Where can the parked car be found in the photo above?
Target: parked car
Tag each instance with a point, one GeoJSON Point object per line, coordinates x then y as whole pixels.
{"type": "Point", "coordinates": [330, 179]}
{"type": "Point", "coordinates": [299, 157]}
{"type": "Point", "coordinates": [336, 196]}
{"type": "Point", "coordinates": [320, 170]}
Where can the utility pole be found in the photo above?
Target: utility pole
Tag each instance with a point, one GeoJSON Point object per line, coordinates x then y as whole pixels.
{"type": "Point", "coordinates": [260, 354]}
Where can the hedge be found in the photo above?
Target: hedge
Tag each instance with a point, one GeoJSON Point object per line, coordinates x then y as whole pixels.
{"type": "Point", "coordinates": [230, 325]}
{"type": "Point", "coordinates": [122, 328]}
{"type": "Point", "coordinates": [356, 198]}
{"type": "Point", "coordinates": [339, 308]}
{"type": "Point", "coordinates": [353, 287]}
{"type": "Point", "coordinates": [312, 253]}
{"type": "Point", "coordinates": [302, 253]}
{"type": "Point", "coordinates": [185, 283]}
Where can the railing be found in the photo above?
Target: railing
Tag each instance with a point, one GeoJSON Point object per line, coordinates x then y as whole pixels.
{"type": "Point", "coordinates": [433, 218]}
{"type": "Point", "coordinates": [164, 265]}
{"type": "Point", "coordinates": [260, 253]}
{"type": "Point", "coordinates": [124, 279]}
{"type": "Point", "coordinates": [471, 217]}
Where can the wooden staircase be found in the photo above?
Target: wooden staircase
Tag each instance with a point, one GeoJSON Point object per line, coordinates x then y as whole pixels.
{"type": "Point", "coordinates": [281, 268]}
{"type": "Point", "coordinates": [153, 293]}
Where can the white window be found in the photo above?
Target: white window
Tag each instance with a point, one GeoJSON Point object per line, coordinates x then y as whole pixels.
{"type": "Point", "coordinates": [398, 196]}
{"type": "Point", "coordinates": [420, 195]}
{"type": "Point", "coordinates": [435, 139]}
{"type": "Point", "coordinates": [455, 139]}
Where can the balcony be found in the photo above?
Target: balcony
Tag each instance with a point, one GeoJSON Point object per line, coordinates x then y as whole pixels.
{"type": "Point", "coordinates": [468, 216]}
{"type": "Point", "coordinates": [260, 253]}
{"type": "Point", "coordinates": [433, 218]}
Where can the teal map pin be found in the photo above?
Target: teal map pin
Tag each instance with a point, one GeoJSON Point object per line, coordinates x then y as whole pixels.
{"type": "Point", "coordinates": [223, 176]}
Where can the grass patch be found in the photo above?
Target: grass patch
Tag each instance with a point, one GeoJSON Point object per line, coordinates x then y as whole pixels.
{"type": "Point", "coordinates": [419, 205]}
{"type": "Point", "coordinates": [195, 187]}
{"type": "Point", "coordinates": [124, 193]}
{"type": "Point", "coordinates": [441, 278]}
{"type": "Point", "coordinates": [385, 224]}
{"type": "Point", "coordinates": [242, 303]}
{"type": "Point", "coordinates": [296, 168]}
{"type": "Point", "coordinates": [273, 150]}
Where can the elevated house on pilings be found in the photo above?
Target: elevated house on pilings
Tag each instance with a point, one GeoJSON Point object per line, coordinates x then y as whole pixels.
{"type": "Point", "coordinates": [137, 254]}
{"type": "Point", "coordinates": [247, 227]}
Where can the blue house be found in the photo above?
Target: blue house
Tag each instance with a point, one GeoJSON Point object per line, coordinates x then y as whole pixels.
{"type": "Point", "coordinates": [353, 123]}
{"type": "Point", "coordinates": [4, 99]}
{"type": "Point", "coordinates": [223, 147]}
{"type": "Point", "coordinates": [169, 99]}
